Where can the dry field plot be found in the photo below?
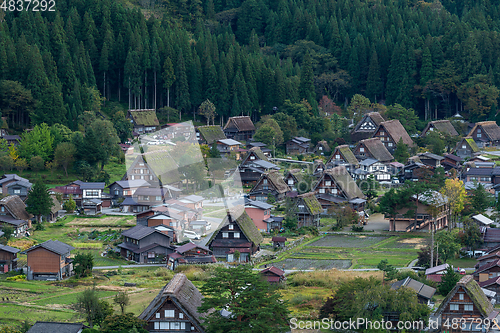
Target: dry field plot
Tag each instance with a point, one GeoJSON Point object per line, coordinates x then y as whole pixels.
{"type": "Point", "coordinates": [348, 241]}
{"type": "Point", "coordinates": [111, 221]}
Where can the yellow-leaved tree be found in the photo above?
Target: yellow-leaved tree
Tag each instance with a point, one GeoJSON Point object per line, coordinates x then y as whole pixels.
{"type": "Point", "coordinates": [455, 193]}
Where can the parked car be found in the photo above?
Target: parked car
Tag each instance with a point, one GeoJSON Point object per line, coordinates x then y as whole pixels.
{"type": "Point", "coordinates": [191, 234]}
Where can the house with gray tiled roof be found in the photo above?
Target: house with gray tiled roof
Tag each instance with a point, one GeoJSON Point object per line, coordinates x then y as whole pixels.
{"type": "Point", "coordinates": [49, 260]}
{"type": "Point", "coordinates": [145, 245]}
{"type": "Point", "coordinates": [47, 326]}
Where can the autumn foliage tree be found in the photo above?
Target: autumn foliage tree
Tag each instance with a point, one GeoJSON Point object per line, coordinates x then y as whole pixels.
{"type": "Point", "coordinates": [455, 193]}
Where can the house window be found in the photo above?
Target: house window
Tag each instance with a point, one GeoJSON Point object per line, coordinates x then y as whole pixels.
{"type": "Point", "coordinates": [337, 157]}
{"type": "Point", "coordinates": [231, 227]}
{"type": "Point", "coordinates": [468, 307]}
{"type": "Point", "coordinates": [382, 133]}
{"type": "Point", "coordinates": [453, 307]}
{"type": "Point", "coordinates": [264, 181]}
{"type": "Point", "coordinates": [126, 192]}
{"type": "Point", "coordinates": [2, 209]}
{"type": "Point", "coordinates": [117, 192]}
{"type": "Point", "coordinates": [181, 315]}
{"type": "Point", "coordinates": [252, 157]}
{"type": "Point", "coordinates": [225, 235]}
{"type": "Point", "coordinates": [461, 297]}
{"type": "Point", "coordinates": [169, 313]}
{"type": "Point", "coordinates": [334, 191]}
{"type": "Point", "coordinates": [164, 325]}
{"type": "Point", "coordinates": [328, 183]}
{"type": "Point", "coordinates": [236, 235]}
{"type": "Point", "coordinates": [290, 181]}
{"type": "Point", "coordinates": [321, 190]}
{"type": "Point", "coordinates": [478, 135]}
{"type": "Point", "coordinates": [390, 144]}
{"type": "Point", "coordinates": [17, 191]}
{"type": "Point", "coordinates": [361, 149]}
{"type": "Point", "coordinates": [464, 147]}
{"type": "Point", "coordinates": [157, 315]}
{"type": "Point", "coordinates": [478, 130]}
{"type": "Point", "coordinates": [158, 198]}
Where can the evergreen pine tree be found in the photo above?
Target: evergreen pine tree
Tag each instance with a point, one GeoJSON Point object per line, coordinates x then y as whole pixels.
{"type": "Point", "coordinates": [374, 84]}
{"type": "Point", "coordinates": [182, 87]}
{"type": "Point", "coordinates": [306, 89]}
{"type": "Point", "coordinates": [39, 202]}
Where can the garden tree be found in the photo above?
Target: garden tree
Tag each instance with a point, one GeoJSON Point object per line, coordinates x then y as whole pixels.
{"type": "Point", "coordinates": [344, 215]}
{"type": "Point", "coordinates": [269, 132]}
{"type": "Point", "coordinates": [13, 152]}
{"type": "Point", "coordinates": [394, 200]}
{"type": "Point", "coordinates": [480, 199]}
{"type": "Point", "coordinates": [287, 124]}
{"type": "Point", "coordinates": [252, 302]}
{"type": "Point", "coordinates": [448, 281]}
{"type": "Point", "coordinates": [207, 109]}
{"type": "Point", "coordinates": [471, 235]}
{"type": "Point", "coordinates": [37, 163]}
{"type": "Point", "coordinates": [389, 270]}
{"type": "Point", "coordinates": [122, 126]}
{"type": "Point", "coordinates": [39, 202]}
{"type": "Point", "coordinates": [122, 300]}
{"type": "Point", "coordinates": [407, 117]}
{"type": "Point", "coordinates": [435, 143]}
{"type": "Point", "coordinates": [6, 163]}
{"type": "Point", "coordinates": [168, 77]}
{"type": "Point", "coordinates": [64, 155]}
{"type": "Point", "coordinates": [70, 205]}
{"type": "Point", "coordinates": [93, 309]}
{"type": "Point", "coordinates": [290, 222]}
{"type": "Point", "coordinates": [106, 140]}
{"type": "Point", "coordinates": [369, 187]}
{"type": "Point", "coordinates": [17, 103]}
{"type": "Point", "coordinates": [123, 323]}
{"type": "Point", "coordinates": [8, 231]}
{"type": "Point", "coordinates": [38, 142]}
{"type": "Point", "coordinates": [214, 152]}
{"type": "Point", "coordinates": [424, 258]}
{"type": "Point", "coordinates": [60, 133]}
{"type": "Point", "coordinates": [455, 193]}
{"type": "Point", "coordinates": [358, 106]}
{"type": "Point", "coordinates": [21, 164]}
{"type": "Point", "coordinates": [370, 299]}
{"type": "Point", "coordinates": [479, 96]}
{"type": "Point", "coordinates": [83, 264]}
{"type": "Point", "coordinates": [448, 245]}
{"type": "Point", "coordinates": [402, 153]}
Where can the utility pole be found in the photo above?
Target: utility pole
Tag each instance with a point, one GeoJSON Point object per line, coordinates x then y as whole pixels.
{"type": "Point", "coordinates": [432, 243]}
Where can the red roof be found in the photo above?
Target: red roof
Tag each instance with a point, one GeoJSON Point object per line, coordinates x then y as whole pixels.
{"type": "Point", "coordinates": [493, 280]}
{"type": "Point", "coordinates": [174, 255]}
{"type": "Point", "coordinates": [67, 189]}
{"type": "Point", "coordinates": [274, 270]}
{"type": "Point", "coordinates": [488, 266]}
{"type": "Point", "coordinates": [435, 277]}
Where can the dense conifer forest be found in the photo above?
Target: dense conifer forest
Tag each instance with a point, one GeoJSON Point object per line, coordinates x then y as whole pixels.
{"type": "Point", "coordinates": [252, 57]}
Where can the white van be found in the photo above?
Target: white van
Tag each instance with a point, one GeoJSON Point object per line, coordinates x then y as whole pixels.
{"type": "Point", "coordinates": [191, 234]}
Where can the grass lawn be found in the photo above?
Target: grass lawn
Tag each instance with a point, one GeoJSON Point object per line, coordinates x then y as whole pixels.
{"type": "Point", "coordinates": [14, 314]}
{"type": "Point", "coordinates": [462, 262]}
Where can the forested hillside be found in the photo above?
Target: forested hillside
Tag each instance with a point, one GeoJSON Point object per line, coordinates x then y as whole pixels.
{"type": "Point", "coordinates": [249, 57]}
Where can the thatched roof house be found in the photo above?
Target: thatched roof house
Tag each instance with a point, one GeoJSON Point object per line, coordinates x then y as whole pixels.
{"type": "Point", "coordinates": [373, 148]}
{"type": "Point", "coordinates": [443, 126]}
{"type": "Point", "coordinates": [390, 132]}
{"type": "Point", "coordinates": [210, 134]}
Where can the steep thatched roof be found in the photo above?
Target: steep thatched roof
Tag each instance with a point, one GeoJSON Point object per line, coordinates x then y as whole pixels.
{"type": "Point", "coordinates": [183, 293]}
{"type": "Point", "coordinates": [211, 133]}
{"type": "Point", "coordinates": [346, 152]}
{"type": "Point", "coordinates": [470, 142]}
{"type": "Point", "coordinates": [243, 123]}
{"type": "Point", "coordinates": [257, 152]}
{"type": "Point", "coordinates": [57, 205]}
{"type": "Point", "coordinates": [144, 117]}
{"type": "Point", "coordinates": [396, 131]}
{"type": "Point", "coordinates": [311, 203]}
{"type": "Point", "coordinates": [297, 174]}
{"type": "Point", "coordinates": [345, 182]}
{"type": "Point", "coordinates": [324, 144]}
{"type": "Point", "coordinates": [274, 177]}
{"type": "Point", "coordinates": [472, 289]}
{"type": "Point", "coordinates": [16, 207]}
{"type": "Point", "coordinates": [490, 128]}
{"type": "Point", "coordinates": [374, 116]}
{"type": "Point", "coordinates": [443, 126]}
{"type": "Point", "coordinates": [377, 149]}
{"type": "Point", "coordinates": [244, 222]}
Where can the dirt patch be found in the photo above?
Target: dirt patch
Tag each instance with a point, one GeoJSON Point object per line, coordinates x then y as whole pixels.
{"type": "Point", "coordinates": [411, 243]}
{"type": "Point", "coordinates": [108, 220]}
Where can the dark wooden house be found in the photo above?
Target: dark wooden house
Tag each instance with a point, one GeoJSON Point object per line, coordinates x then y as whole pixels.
{"type": "Point", "coordinates": [466, 147]}
{"type": "Point", "coordinates": [278, 242]}
{"type": "Point", "coordinates": [175, 308]}
{"type": "Point", "coordinates": [492, 284]}
{"type": "Point", "coordinates": [209, 134]}
{"type": "Point", "coordinates": [451, 162]}
{"type": "Point", "coordinates": [342, 155]}
{"type": "Point", "coordinates": [465, 303]}
{"type": "Point", "coordinates": [318, 168]}
{"type": "Point", "coordinates": [237, 232]}
{"type": "Point", "coordinates": [49, 261]}
{"type": "Point", "coordinates": [145, 245]}
{"type": "Point", "coordinates": [424, 292]}
{"type": "Point", "coordinates": [365, 128]}
{"type": "Point", "coordinates": [487, 271]}
{"type": "Point", "coordinates": [308, 210]}
{"type": "Point", "coordinates": [8, 258]}
{"type": "Point", "coordinates": [13, 213]}
{"type": "Point", "coordinates": [254, 165]}
{"type": "Point", "coordinates": [12, 184]}
{"type": "Point", "coordinates": [298, 145]}
{"type": "Point", "coordinates": [485, 133]}
{"type": "Point", "coordinates": [322, 148]}
{"type": "Point", "coordinates": [297, 181]}
{"type": "Point", "coordinates": [270, 184]}
{"type": "Point", "coordinates": [239, 128]}
{"type": "Point", "coordinates": [372, 148]}
{"type": "Point", "coordinates": [390, 132]}
{"type": "Point", "coordinates": [144, 121]}
{"type": "Point", "coordinates": [273, 275]}
{"type": "Point", "coordinates": [121, 189]}
{"type": "Point", "coordinates": [442, 126]}
{"type": "Point", "coordinates": [190, 253]}
{"type": "Point", "coordinates": [336, 186]}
